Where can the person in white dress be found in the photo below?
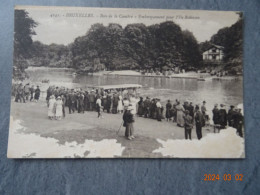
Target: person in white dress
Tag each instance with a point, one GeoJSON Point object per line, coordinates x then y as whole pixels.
{"type": "Point", "coordinates": [180, 111]}
{"type": "Point", "coordinates": [99, 107]}
{"type": "Point", "coordinates": [58, 108]}
{"type": "Point", "coordinates": [51, 111]}
{"type": "Point", "coordinates": [120, 107]}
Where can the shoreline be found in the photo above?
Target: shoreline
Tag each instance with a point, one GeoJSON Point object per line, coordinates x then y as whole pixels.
{"type": "Point", "coordinates": [131, 73]}
{"type": "Point", "coordinates": [47, 67]}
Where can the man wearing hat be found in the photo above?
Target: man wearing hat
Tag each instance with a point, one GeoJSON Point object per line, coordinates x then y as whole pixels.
{"type": "Point", "coordinates": [128, 119]}
{"type": "Point", "coordinates": [153, 108]}
{"type": "Point", "coordinates": [140, 110]}
{"type": "Point", "coordinates": [168, 110]}
{"type": "Point", "coordinates": [215, 113]}
{"type": "Point", "coordinates": [186, 104]}
{"type": "Point", "coordinates": [222, 116]}
{"type": "Point", "coordinates": [37, 93]}
{"type": "Point", "coordinates": [115, 102]}
{"type": "Point", "coordinates": [215, 118]}
{"type": "Point", "coordinates": [191, 110]}
{"type": "Point", "coordinates": [198, 121]}
{"type": "Point", "coordinates": [188, 124]}
{"type": "Point", "coordinates": [81, 103]}
{"type": "Point", "coordinates": [109, 102]}
{"type": "Point", "coordinates": [92, 100]}
{"type": "Point", "coordinates": [72, 101]}
{"type": "Point", "coordinates": [147, 104]}
{"type": "Point", "coordinates": [230, 115]}
{"type": "Point", "coordinates": [86, 101]}
{"type": "Point", "coordinates": [20, 94]}
{"type": "Point", "coordinates": [63, 99]}
{"type": "Point", "coordinates": [32, 90]}
{"type": "Point", "coordinates": [27, 91]}
{"type": "Point", "coordinates": [238, 121]}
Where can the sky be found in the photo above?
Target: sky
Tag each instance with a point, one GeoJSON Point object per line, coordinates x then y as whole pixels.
{"type": "Point", "coordinates": [60, 25]}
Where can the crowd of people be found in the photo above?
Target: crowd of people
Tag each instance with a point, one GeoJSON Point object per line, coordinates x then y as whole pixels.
{"type": "Point", "coordinates": [125, 101]}
{"type": "Point", "coordinates": [186, 115]}
{"type": "Point", "coordinates": [25, 93]}
{"type": "Point", "coordinates": [78, 100]}
{"type": "Point", "coordinates": [169, 72]}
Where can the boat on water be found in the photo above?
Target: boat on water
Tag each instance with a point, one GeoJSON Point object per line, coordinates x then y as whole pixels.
{"type": "Point", "coordinates": [45, 81]}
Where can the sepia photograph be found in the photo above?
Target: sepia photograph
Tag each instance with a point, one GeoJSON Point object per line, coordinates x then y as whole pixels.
{"type": "Point", "coordinates": [126, 83]}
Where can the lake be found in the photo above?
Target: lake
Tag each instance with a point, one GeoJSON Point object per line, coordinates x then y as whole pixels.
{"type": "Point", "coordinates": [228, 92]}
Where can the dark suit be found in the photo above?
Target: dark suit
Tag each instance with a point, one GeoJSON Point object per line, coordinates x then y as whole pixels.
{"type": "Point", "coordinates": [223, 118]}
{"type": "Point", "coordinates": [188, 125]}
{"type": "Point", "coordinates": [238, 123]}
{"type": "Point", "coordinates": [215, 112]}
{"type": "Point", "coordinates": [199, 123]}
{"type": "Point", "coordinates": [72, 102]}
{"type": "Point", "coordinates": [128, 119]}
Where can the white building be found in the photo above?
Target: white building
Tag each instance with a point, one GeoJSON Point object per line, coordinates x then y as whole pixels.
{"type": "Point", "coordinates": [214, 53]}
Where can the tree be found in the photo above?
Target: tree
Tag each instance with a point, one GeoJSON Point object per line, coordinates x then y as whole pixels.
{"type": "Point", "coordinates": [136, 47]}
{"type": "Point", "coordinates": [191, 53]}
{"type": "Point", "coordinates": [231, 38]}
{"type": "Point", "coordinates": [52, 55]}
{"type": "Point", "coordinates": [23, 31]}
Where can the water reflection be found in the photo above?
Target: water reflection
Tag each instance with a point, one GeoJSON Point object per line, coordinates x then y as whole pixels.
{"type": "Point", "coordinates": [213, 91]}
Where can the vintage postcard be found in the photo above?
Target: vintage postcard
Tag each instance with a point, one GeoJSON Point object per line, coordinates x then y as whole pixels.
{"type": "Point", "coordinates": [126, 83]}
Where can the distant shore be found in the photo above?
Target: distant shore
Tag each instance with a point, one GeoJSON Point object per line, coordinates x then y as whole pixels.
{"type": "Point", "coordinates": [186, 75]}
{"type": "Point", "coordinates": [47, 67]}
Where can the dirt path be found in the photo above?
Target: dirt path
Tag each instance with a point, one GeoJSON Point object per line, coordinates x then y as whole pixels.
{"type": "Point", "coordinates": [79, 127]}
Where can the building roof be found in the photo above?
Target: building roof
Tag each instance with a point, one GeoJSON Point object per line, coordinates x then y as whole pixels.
{"type": "Point", "coordinates": [216, 46]}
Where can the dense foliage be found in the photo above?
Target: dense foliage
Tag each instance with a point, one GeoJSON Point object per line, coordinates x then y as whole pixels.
{"type": "Point", "coordinates": [231, 38]}
{"type": "Point", "coordinates": [52, 55]}
{"type": "Point", "coordinates": [160, 46]}
{"type": "Point", "coordinates": [23, 31]}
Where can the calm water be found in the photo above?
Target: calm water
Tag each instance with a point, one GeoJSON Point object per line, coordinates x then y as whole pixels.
{"type": "Point", "coordinates": [212, 91]}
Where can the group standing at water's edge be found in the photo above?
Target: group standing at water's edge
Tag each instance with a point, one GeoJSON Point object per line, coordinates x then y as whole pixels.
{"type": "Point", "coordinates": [26, 92]}
{"type": "Point", "coordinates": [117, 101]}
